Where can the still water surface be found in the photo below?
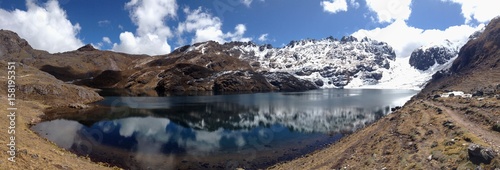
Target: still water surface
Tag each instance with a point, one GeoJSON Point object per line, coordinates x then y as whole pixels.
{"type": "Point", "coordinates": [218, 131]}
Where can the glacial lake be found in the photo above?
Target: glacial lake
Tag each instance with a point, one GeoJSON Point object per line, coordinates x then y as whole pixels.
{"type": "Point", "coordinates": [250, 131]}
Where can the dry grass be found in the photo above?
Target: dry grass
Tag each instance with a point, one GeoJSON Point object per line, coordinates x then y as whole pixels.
{"type": "Point", "coordinates": [402, 140]}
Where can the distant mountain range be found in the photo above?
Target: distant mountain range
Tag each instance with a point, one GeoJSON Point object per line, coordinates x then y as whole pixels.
{"type": "Point", "coordinates": [241, 66]}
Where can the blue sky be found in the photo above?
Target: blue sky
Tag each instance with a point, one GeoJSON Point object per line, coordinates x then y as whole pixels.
{"type": "Point", "coordinates": [159, 26]}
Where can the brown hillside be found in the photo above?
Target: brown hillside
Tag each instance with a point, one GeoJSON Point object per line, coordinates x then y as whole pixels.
{"type": "Point", "coordinates": [477, 65]}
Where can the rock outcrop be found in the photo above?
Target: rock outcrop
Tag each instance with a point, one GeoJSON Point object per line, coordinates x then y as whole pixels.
{"type": "Point", "coordinates": [424, 58]}
{"type": "Point", "coordinates": [287, 82]}
{"type": "Point", "coordinates": [479, 154]}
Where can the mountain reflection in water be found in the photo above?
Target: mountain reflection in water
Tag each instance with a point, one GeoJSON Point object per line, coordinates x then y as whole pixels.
{"type": "Point", "coordinates": [223, 131]}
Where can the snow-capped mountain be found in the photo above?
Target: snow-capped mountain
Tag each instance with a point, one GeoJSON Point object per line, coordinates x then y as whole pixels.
{"type": "Point", "coordinates": [348, 62]}
{"type": "Point", "coordinates": [327, 62]}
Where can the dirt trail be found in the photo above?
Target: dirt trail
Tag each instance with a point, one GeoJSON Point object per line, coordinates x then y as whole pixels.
{"type": "Point", "coordinates": [489, 136]}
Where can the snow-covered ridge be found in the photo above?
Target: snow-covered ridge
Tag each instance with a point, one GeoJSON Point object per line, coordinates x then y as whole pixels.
{"type": "Point", "coordinates": [348, 62]}
{"type": "Point", "coordinates": [329, 63]}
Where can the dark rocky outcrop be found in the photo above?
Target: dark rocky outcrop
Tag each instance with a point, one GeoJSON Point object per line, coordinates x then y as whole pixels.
{"type": "Point", "coordinates": [479, 154]}
{"type": "Point", "coordinates": [287, 82]}
{"type": "Point", "coordinates": [423, 59]}
{"type": "Point", "coordinates": [241, 81]}
{"type": "Point", "coordinates": [348, 39]}
{"type": "Point", "coordinates": [87, 47]}
{"type": "Point", "coordinates": [106, 79]}
{"type": "Point", "coordinates": [185, 77]}
{"type": "Point", "coordinates": [496, 127]}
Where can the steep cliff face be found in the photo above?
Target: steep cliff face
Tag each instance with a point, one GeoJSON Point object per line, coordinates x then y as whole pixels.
{"type": "Point", "coordinates": [425, 57]}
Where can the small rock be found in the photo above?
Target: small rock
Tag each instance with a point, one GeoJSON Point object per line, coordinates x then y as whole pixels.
{"type": "Point", "coordinates": [78, 106]}
{"type": "Point", "coordinates": [438, 156]}
{"type": "Point", "coordinates": [434, 144]}
{"type": "Point", "coordinates": [429, 157]}
{"type": "Point", "coordinates": [449, 124]}
{"type": "Point", "coordinates": [395, 108]}
{"type": "Point", "coordinates": [449, 143]}
{"type": "Point", "coordinates": [23, 151]}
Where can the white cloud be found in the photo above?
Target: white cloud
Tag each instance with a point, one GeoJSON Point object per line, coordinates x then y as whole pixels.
{"type": "Point", "coordinates": [207, 27]}
{"type": "Point", "coordinates": [151, 35]}
{"type": "Point", "coordinates": [480, 10]}
{"type": "Point", "coordinates": [334, 6]}
{"type": "Point", "coordinates": [103, 23]}
{"type": "Point", "coordinates": [247, 2]}
{"type": "Point", "coordinates": [354, 4]}
{"type": "Point", "coordinates": [240, 30]}
{"type": "Point", "coordinates": [45, 27]}
{"type": "Point", "coordinates": [106, 40]}
{"type": "Point", "coordinates": [390, 10]}
{"type": "Point", "coordinates": [263, 37]}
{"type": "Point", "coordinates": [404, 39]}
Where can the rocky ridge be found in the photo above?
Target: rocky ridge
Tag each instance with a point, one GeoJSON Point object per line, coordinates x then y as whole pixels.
{"type": "Point", "coordinates": [425, 57]}
{"type": "Point", "coordinates": [300, 65]}
{"type": "Point", "coordinates": [329, 62]}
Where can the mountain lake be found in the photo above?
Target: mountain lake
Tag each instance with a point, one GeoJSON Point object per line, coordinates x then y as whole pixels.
{"type": "Point", "coordinates": [227, 131]}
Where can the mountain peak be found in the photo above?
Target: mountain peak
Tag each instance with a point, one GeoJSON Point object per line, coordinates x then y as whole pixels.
{"type": "Point", "coordinates": [87, 47]}
{"type": "Point", "coordinates": [11, 42]}
{"type": "Point", "coordinates": [349, 38]}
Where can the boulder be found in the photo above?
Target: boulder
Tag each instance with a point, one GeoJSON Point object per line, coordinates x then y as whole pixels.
{"type": "Point", "coordinates": [479, 154]}
{"type": "Point", "coordinates": [496, 127]}
{"type": "Point", "coordinates": [478, 93]}
{"type": "Point", "coordinates": [319, 83]}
